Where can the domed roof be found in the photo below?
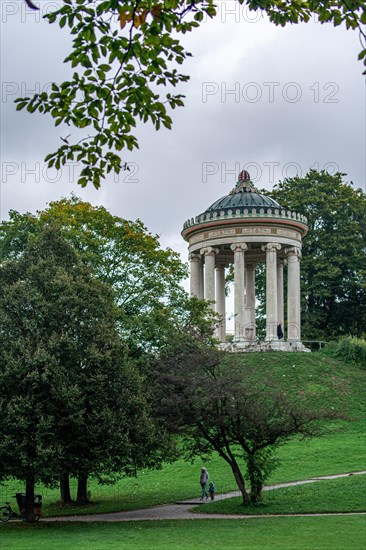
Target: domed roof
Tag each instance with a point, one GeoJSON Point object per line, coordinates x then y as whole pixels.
{"type": "Point", "coordinates": [241, 206]}
{"type": "Point", "coordinates": [244, 194]}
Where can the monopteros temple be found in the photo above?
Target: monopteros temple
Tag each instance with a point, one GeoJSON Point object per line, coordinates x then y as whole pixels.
{"type": "Point", "coordinates": [246, 228]}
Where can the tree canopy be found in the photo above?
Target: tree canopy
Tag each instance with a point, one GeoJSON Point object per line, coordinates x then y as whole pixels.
{"type": "Point", "coordinates": [70, 401]}
{"type": "Point", "coordinates": [124, 52]}
{"type": "Point", "coordinates": [333, 267]}
{"type": "Point", "coordinates": [145, 277]}
{"type": "Point", "coordinates": [215, 403]}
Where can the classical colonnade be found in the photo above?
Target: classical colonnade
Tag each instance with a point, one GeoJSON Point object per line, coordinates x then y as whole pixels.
{"type": "Point", "coordinates": [207, 280]}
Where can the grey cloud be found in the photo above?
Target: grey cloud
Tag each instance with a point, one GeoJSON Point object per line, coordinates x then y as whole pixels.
{"type": "Point", "coordinates": [169, 184]}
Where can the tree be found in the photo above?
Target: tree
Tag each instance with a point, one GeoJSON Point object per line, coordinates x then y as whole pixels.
{"type": "Point", "coordinates": [214, 403]}
{"type": "Point", "coordinates": [145, 278]}
{"type": "Point", "coordinates": [152, 306]}
{"type": "Point", "coordinates": [124, 51]}
{"type": "Point", "coordinates": [70, 403]}
{"type": "Point", "coordinates": [333, 272]}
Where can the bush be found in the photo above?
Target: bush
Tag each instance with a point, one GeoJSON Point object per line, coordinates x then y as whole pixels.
{"type": "Point", "coordinates": [352, 349]}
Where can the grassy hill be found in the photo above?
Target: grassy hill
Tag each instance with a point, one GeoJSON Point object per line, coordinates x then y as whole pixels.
{"type": "Point", "coordinates": [325, 380]}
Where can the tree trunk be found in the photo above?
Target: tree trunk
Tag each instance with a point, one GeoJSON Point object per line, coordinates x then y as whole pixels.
{"type": "Point", "coordinates": [65, 495]}
{"type": "Point", "coordinates": [240, 482]}
{"type": "Point", "coordinates": [359, 328]}
{"type": "Point", "coordinates": [29, 500]}
{"type": "Point", "coordinates": [82, 496]}
{"type": "Point", "coordinates": [256, 479]}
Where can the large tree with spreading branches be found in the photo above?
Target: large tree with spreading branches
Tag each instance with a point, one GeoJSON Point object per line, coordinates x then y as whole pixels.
{"type": "Point", "coordinates": [145, 277]}
{"type": "Point", "coordinates": [70, 400]}
{"type": "Point", "coordinates": [214, 402]}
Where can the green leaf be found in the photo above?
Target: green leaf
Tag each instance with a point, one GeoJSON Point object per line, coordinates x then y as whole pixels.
{"type": "Point", "coordinates": [126, 70]}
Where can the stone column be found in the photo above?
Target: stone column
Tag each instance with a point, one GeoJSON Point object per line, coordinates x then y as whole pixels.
{"type": "Point", "coordinates": [239, 249]}
{"type": "Point", "coordinates": [195, 274]}
{"type": "Point", "coordinates": [280, 305]}
{"type": "Point", "coordinates": [209, 290]}
{"type": "Point", "coordinates": [220, 302]}
{"type": "Point", "coordinates": [271, 289]}
{"type": "Point", "coordinates": [201, 281]}
{"type": "Point", "coordinates": [293, 294]}
{"type": "Point", "coordinates": [249, 316]}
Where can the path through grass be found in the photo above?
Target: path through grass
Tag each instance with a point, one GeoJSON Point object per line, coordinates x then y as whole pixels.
{"type": "Point", "coordinates": [334, 495]}
{"type": "Point", "coordinates": [330, 381]}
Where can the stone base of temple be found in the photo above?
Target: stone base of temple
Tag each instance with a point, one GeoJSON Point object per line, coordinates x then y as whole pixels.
{"type": "Point", "coordinates": [295, 346]}
{"type": "Point", "coordinates": [268, 345]}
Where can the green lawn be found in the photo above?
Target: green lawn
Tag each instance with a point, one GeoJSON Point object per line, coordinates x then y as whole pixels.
{"type": "Point", "coordinates": [335, 495]}
{"type": "Point", "coordinates": [327, 381]}
{"type": "Point", "coordinates": [309, 533]}
{"type": "Point", "coordinates": [300, 460]}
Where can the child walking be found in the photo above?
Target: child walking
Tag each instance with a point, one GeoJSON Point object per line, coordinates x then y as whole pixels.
{"type": "Point", "coordinates": [211, 490]}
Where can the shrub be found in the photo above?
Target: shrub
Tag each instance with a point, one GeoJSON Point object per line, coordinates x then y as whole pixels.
{"type": "Point", "coordinates": [352, 349]}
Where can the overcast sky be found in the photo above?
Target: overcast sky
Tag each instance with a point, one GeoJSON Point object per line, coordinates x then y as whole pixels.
{"type": "Point", "coordinates": [274, 101]}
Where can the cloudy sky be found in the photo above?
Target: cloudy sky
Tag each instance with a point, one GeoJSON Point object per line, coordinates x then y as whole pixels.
{"type": "Point", "coordinates": [274, 101]}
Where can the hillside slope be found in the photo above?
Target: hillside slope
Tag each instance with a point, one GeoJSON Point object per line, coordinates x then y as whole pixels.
{"type": "Point", "coordinates": [326, 382]}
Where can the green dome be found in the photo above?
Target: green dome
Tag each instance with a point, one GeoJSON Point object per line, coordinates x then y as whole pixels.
{"type": "Point", "coordinates": [243, 199]}
{"type": "Point", "coordinates": [242, 204]}
{"type": "Point", "coordinates": [244, 195]}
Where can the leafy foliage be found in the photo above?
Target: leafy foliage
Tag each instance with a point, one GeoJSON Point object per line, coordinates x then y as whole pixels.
{"type": "Point", "coordinates": [333, 271]}
{"type": "Point", "coordinates": [350, 349]}
{"type": "Point", "coordinates": [145, 278]}
{"type": "Point", "coordinates": [69, 400]}
{"type": "Point", "coordinates": [124, 51]}
{"type": "Point", "coordinates": [214, 404]}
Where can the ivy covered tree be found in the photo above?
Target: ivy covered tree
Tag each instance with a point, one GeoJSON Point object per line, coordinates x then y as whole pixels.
{"type": "Point", "coordinates": [70, 401]}
{"type": "Point", "coordinates": [124, 52]}
{"type": "Point", "coordinates": [333, 267]}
